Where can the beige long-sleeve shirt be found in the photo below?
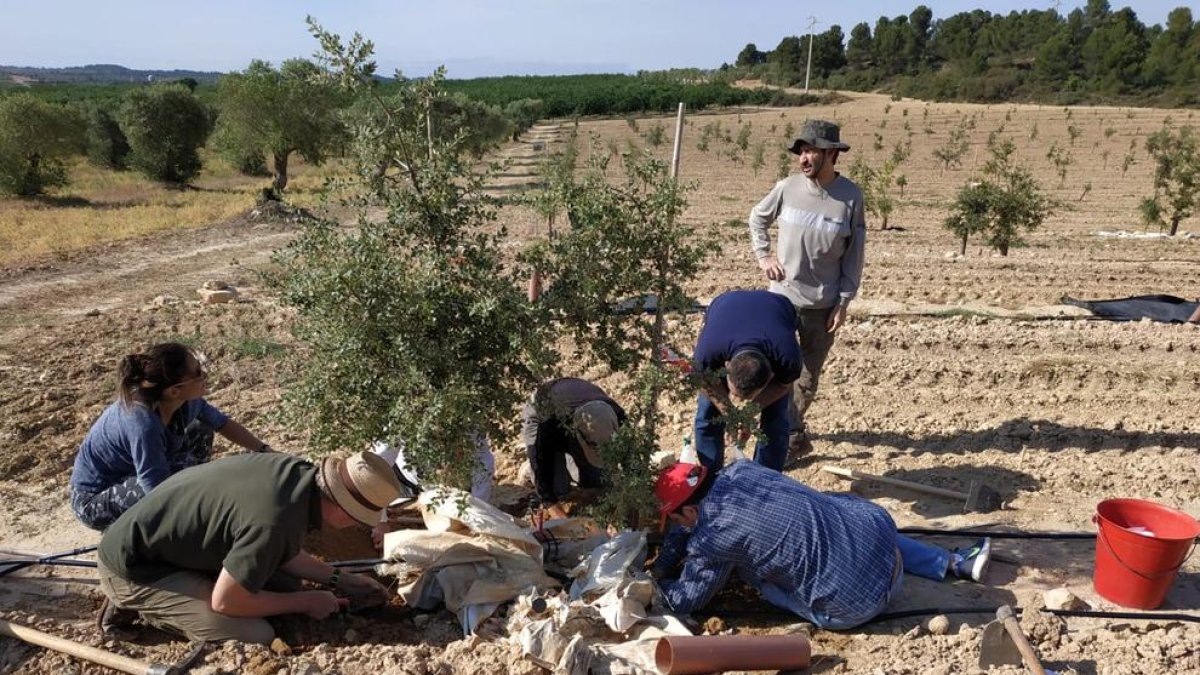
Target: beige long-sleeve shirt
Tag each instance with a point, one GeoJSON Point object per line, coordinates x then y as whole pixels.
{"type": "Point", "coordinates": [822, 239]}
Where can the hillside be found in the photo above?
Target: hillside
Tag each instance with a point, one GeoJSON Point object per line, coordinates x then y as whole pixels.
{"type": "Point", "coordinates": [100, 73]}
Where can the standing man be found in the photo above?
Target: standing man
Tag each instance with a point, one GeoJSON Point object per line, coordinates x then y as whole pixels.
{"type": "Point", "coordinates": [834, 560]}
{"type": "Point", "coordinates": [818, 260]}
{"type": "Point", "coordinates": [215, 549]}
{"type": "Point", "coordinates": [749, 338]}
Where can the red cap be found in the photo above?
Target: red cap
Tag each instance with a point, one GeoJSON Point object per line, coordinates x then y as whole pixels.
{"type": "Point", "coordinates": [675, 485]}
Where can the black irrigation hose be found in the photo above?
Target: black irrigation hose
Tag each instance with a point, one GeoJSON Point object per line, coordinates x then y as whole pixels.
{"type": "Point", "coordinates": [996, 534]}
{"type": "Point", "coordinates": [933, 611]}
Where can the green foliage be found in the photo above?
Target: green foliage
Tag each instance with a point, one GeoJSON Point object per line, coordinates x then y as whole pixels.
{"type": "Point", "coordinates": [743, 136]}
{"type": "Point", "coordinates": [1004, 203]}
{"type": "Point", "coordinates": [263, 110]}
{"type": "Point", "coordinates": [1176, 155]}
{"type": "Point", "coordinates": [523, 114]}
{"type": "Point", "coordinates": [106, 144]}
{"type": "Point", "coordinates": [166, 126]}
{"type": "Point", "coordinates": [1062, 160]}
{"type": "Point", "coordinates": [35, 139]}
{"type": "Point", "coordinates": [656, 135]}
{"type": "Point", "coordinates": [576, 95]}
{"type": "Point", "coordinates": [758, 159]}
{"type": "Point", "coordinates": [1091, 54]}
{"type": "Point", "coordinates": [783, 164]}
{"type": "Point", "coordinates": [413, 326]}
{"type": "Point", "coordinates": [626, 238]}
{"type": "Point", "coordinates": [876, 184]}
{"type": "Point", "coordinates": [950, 153]}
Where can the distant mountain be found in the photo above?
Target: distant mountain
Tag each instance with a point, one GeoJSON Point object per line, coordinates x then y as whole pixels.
{"type": "Point", "coordinates": [102, 73]}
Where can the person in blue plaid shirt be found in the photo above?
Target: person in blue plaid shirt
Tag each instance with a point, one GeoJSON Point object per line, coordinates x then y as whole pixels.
{"type": "Point", "coordinates": [834, 560]}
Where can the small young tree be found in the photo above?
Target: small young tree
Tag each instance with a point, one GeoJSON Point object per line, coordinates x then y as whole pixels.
{"type": "Point", "coordinates": [743, 136]}
{"type": "Point", "coordinates": [36, 138]}
{"type": "Point", "coordinates": [783, 164]}
{"type": "Point", "coordinates": [636, 220]}
{"type": "Point", "coordinates": [1004, 203]}
{"type": "Point", "coordinates": [970, 213]}
{"type": "Point", "coordinates": [876, 185]}
{"type": "Point", "coordinates": [278, 112]}
{"type": "Point", "coordinates": [1176, 155]}
{"type": "Point", "coordinates": [758, 159]}
{"type": "Point", "coordinates": [166, 126]}
{"type": "Point", "coordinates": [414, 326]}
{"type": "Point", "coordinates": [656, 135]}
{"type": "Point", "coordinates": [1062, 160]}
{"type": "Point", "coordinates": [951, 153]}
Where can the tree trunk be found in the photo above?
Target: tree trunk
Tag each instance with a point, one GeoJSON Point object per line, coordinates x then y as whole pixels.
{"type": "Point", "coordinates": [281, 171]}
{"type": "Point", "coordinates": [1174, 225]}
{"type": "Point", "coordinates": [1003, 248]}
{"type": "Point", "coordinates": [963, 249]}
{"type": "Point", "coordinates": [885, 223]}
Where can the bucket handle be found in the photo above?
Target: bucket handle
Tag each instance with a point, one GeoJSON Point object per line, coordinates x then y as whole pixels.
{"type": "Point", "coordinates": [1147, 577]}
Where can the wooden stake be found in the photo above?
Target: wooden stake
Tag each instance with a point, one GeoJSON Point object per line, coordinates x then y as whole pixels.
{"type": "Point", "coordinates": [678, 142]}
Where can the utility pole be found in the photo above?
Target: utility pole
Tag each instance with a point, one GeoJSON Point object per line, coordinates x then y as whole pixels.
{"type": "Point", "coordinates": [812, 21]}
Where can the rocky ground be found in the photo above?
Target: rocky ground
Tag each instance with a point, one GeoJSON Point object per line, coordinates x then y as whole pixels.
{"type": "Point", "coordinates": [952, 369]}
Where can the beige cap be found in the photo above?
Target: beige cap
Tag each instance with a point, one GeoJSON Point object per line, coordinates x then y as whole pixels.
{"type": "Point", "coordinates": [363, 484]}
{"type": "Point", "coordinates": [595, 423]}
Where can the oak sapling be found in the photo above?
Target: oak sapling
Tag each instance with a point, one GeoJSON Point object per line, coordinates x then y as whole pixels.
{"type": "Point", "coordinates": [649, 249]}
{"type": "Point", "coordinates": [1176, 157]}
{"type": "Point", "coordinates": [1004, 202]}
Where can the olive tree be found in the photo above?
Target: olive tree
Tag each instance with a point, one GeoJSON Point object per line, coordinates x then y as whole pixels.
{"type": "Point", "coordinates": [1004, 202]}
{"type": "Point", "coordinates": [36, 139]}
{"type": "Point", "coordinates": [106, 143]}
{"type": "Point", "coordinates": [263, 110]}
{"type": "Point", "coordinates": [414, 326]}
{"type": "Point", "coordinates": [166, 125]}
{"type": "Point", "coordinates": [1176, 156]}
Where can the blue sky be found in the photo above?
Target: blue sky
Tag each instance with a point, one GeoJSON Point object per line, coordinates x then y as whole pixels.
{"type": "Point", "coordinates": [472, 37]}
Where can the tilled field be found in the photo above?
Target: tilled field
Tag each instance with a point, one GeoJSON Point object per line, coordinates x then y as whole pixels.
{"type": "Point", "coordinates": [952, 369]}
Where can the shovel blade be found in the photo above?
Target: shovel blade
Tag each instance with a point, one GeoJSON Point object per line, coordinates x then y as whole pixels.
{"type": "Point", "coordinates": [996, 647]}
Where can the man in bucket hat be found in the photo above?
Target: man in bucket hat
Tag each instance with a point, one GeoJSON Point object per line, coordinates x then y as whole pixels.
{"type": "Point", "coordinates": [216, 548]}
{"type": "Point", "coordinates": [834, 560]}
{"type": "Point", "coordinates": [818, 259]}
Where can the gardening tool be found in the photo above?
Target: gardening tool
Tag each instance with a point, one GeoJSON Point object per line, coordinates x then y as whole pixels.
{"type": "Point", "coordinates": [1003, 644]}
{"type": "Point", "coordinates": [979, 498]}
{"type": "Point", "coordinates": [117, 662]}
{"type": "Point", "coordinates": [9, 566]}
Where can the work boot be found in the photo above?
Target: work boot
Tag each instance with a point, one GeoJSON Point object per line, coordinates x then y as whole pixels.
{"type": "Point", "coordinates": [972, 563]}
{"type": "Point", "coordinates": [114, 622]}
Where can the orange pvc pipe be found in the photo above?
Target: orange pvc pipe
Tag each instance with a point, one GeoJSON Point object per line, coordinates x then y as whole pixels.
{"type": "Point", "coordinates": [716, 653]}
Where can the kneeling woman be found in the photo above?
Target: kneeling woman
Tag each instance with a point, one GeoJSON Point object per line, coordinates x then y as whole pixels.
{"type": "Point", "coordinates": [159, 425]}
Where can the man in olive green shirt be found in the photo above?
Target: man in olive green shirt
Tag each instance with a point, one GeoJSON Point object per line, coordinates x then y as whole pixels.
{"type": "Point", "coordinates": [216, 548]}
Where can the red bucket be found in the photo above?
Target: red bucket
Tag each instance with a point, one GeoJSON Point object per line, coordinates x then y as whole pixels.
{"type": "Point", "coordinates": [1139, 549]}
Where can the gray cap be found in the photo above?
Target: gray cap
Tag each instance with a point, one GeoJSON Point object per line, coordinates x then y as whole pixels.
{"type": "Point", "coordinates": [821, 134]}
{"type": "Point", "coordinates": [595, 423]}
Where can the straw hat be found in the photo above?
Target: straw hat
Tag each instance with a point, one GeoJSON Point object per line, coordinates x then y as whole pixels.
{"type": "Point", "coordinates": [595, 423]}
{"type": "Point", "coordinates": [363, 484]}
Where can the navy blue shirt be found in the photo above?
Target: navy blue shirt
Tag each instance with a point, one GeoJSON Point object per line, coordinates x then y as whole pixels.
{"type": "Point", "coordinates": [761, 320]}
